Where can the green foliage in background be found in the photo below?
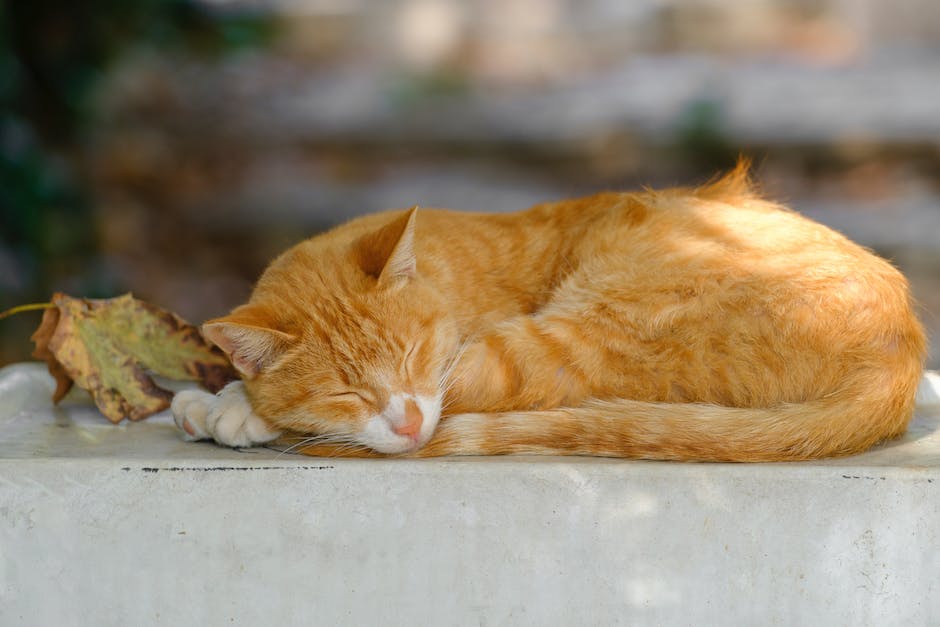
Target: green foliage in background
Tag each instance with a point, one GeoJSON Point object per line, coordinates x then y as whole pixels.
{"type": "Point", "coordinates": [53, 53]}
{"type": "Point", "coordinates": [701, 137]}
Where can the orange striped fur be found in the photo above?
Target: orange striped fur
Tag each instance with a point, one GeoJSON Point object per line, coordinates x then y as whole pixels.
{"type": "Point", "coordinates": [687, 324]}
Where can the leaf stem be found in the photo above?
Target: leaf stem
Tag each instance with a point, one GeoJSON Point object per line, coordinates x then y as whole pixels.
{"type": "Point", "coordinates": [22, 308]}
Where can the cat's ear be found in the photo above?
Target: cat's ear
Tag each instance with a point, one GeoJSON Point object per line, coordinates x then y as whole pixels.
{"type": "Point", "coordinates": [245, 337]}
{"type": "Point", "coordinates": [389, 254]}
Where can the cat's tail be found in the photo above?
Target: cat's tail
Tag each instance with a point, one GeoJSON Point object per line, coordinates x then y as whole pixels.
{"type": "Point", "coordinates": [847, 422]}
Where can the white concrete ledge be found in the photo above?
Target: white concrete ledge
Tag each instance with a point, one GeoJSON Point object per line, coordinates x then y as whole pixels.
{"type": "Point", "coordinates": [129, 525]}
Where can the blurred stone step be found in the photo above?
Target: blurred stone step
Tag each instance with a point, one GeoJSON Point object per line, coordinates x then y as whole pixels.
{"type": "Point", "coordinates": [265, 100]}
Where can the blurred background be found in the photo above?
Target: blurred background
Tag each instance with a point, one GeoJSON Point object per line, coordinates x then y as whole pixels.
{"type": "Point", "coordinates": [173, 147]}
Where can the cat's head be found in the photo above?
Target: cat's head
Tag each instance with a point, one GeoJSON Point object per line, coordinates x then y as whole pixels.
{"type": "Point", "coordinates": [346, 340]}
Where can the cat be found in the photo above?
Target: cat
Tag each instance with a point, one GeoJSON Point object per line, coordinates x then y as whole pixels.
{"type": "Point", "coordinates": [705, 324]}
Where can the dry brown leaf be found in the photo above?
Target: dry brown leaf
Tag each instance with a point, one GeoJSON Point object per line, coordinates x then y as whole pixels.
{"type": "Point", "coordinates": [41, 337]}
{"type": "Point", "coordinates": [110, 346]}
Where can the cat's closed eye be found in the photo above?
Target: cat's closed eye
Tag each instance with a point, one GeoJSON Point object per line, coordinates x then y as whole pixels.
{"type": "Point", "coordinates": [356, 396]}
{"type": "Point", "coordinates": [409, 358]}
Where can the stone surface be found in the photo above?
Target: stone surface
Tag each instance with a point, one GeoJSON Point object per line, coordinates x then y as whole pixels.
{"type": "Point", "coordinates": [129, 525]}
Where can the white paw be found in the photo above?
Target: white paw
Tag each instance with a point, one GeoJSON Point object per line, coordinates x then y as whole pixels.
{"type": "Point", "coordinates": [225, 417]}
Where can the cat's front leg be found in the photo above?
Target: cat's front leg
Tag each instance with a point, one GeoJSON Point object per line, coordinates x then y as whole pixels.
{"type": "Point", "coordinates": [225, 417]}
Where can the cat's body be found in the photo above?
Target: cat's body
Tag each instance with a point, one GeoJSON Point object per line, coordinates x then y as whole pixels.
{"type": "Point", "coordinates": [700, 324]}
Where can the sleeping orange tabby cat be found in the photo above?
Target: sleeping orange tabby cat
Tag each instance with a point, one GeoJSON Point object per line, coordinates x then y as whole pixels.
{"type": "Point", "coordinates": [705, 324]}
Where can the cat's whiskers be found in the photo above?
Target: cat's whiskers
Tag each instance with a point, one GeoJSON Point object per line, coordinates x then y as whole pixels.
{"type": "Point", "coordinates": [343, 442]}
{"type": "Point", "coordinates": [339, 451]}
{"type": "Point", "coordinates": [452, 361]}
{"type": "Point", "coordinates": [446, 381]}
{"type": "Point", "coordinates": [302, 441]}
{"type": "Point", "coordinates": [455, 359]}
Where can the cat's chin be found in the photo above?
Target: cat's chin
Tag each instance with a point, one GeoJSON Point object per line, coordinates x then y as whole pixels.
{"type": "Point", "coordinates": [380, 432]}
{"type": "Point", "coordinates": [380, 438]}
{"type": "Point", "coordinates": [388, 448]}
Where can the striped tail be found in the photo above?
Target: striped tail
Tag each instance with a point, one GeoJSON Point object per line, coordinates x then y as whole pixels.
{"type": "Point", "coordinates": [844, 423]}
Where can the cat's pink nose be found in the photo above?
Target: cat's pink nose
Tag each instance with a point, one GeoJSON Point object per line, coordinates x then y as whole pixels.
{"type": "Point", "coordinates": [413, 419]}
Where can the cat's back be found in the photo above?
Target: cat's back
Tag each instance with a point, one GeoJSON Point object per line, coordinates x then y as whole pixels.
{"type": "Point", "coordinates": [720, 229]}
{"type": "Point", "coordinates": [722, 252]}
